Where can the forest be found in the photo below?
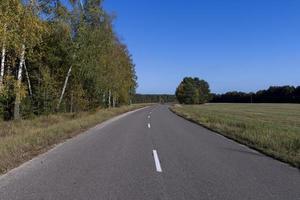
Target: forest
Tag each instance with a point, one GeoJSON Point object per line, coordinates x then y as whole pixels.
{"type": "Point", "coordinates": [154, 98]}
{"type": "Point", "coordinates": [274, 94]}
{"type": "Point", "coordinates": [58, 57]}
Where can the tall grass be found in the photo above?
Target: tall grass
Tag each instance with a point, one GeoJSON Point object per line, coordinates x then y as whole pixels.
{"type": "Point", "coordinates": [22, 140]}
{"type": "Point", "coordinates": [270, 128]}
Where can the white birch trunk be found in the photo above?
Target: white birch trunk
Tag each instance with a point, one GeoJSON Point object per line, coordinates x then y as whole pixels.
{"type": "Point", "coordinates": [109, 98]}
{"type": "Point", "coordinates": [19, 81]}
{"type": "Point", "coordinates": [64, 88]}
{"type": "Point", "coordinates": [28, 80]}
{"type": "Point", "coordinates": [3, 55]}
{"type": "Point", "coordinates": [2, 64]}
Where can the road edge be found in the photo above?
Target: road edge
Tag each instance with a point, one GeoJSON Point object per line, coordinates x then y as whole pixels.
{"type": "Point", "coordinates": [10, 174]}
{"type": "Point", "coordinates": [272, 156]}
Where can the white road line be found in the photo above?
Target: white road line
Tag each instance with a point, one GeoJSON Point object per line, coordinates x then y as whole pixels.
{"type": "Point", "coordinates": [149, 116]}
{"type": "Point", "coordinates": [156, 160]}
{"type": "Point", "coordinates": [149, 126]}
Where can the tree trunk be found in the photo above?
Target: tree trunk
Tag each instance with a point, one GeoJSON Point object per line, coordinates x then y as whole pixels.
{"type": "Point", "coordinates": [39, 91]}
{"type": "Point", "coordinates": [2, 65]}
{"type": "Point", "coordinates": [28, 80]}
{"type": "Point", "coordinates": [19, 82]}
{"type": "Point", "coordinates": [3, 55]}
{"type": "Point", "coordinates": [109, 98]}
{"type": "Point", "coordinates": [103, 99]}
{"type": "Point", "coordinates": [64, 88]}
{"type": "Point", "coordinates": [44, 101]}
{"type": "Point", "coordinates": [114, 101]}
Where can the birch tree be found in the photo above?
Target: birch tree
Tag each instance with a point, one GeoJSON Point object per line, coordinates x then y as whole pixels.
{"type": "Point", "coordinates": [74, 59]}
{"type": "Point", "coordinates": [3, 55]}
{"type": "Point", "coordinates": [64, 87]}
{"type": "Point", "coordinates": [5, 18]}
{"type": "Point", "coordinates": [28, 79]}
{"type": "Point", "coordinates": [30, 28]}
{"type": "Point", "coordinates": [18, 84]}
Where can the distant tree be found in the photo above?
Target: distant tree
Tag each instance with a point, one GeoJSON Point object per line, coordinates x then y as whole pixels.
{"type": "Point", "coordinates": [193, 91]}
{"type": "Point", "coordinates": [154, 98]}
{"type": "Point", "coordinates": [274, 94]}
{"type": "Point", "coordinates": [297, 94]}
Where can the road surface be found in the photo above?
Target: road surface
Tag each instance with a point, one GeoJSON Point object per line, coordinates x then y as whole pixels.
{"type": "Point", "coordinates": [151, 154]}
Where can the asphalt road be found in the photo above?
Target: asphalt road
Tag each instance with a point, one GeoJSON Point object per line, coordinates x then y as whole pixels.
{"type": "Point", "coordinates": [151, 154]}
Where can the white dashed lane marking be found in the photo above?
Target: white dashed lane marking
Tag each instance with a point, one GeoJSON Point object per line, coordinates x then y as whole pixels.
{"type": "Point", "coordinates": [156, 160]}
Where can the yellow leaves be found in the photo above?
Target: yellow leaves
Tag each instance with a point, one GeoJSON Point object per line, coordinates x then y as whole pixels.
{"type": "Point", "coordinates": [31, 28]}
{"type": "Point", "coordinates": [5, 88]}
{"type": "Point", "coordinates": [11, 83]}
{"type": "Point", "coordinates": [20, 90]}
{"type": "Point", "coordinates": [22, 24]}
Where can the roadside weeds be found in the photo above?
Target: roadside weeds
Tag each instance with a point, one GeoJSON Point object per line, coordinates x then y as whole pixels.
{"type": "Point", "coordinates": [259, 135]}
{"type": "Point", "coordinates": [22, 140]}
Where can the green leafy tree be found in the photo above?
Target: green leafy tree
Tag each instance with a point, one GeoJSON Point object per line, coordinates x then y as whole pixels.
{"type": "Point", "coordinates": [59, 59]}
{"type": "Point", "coordinates": [193, 91]}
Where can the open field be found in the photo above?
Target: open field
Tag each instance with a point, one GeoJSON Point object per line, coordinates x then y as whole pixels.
{"type": "Point", "coordinates": [270, 128]}
{"type": "Point", "coordinates": [22, 140]}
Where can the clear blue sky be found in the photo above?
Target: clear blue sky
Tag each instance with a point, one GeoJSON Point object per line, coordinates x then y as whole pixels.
{"type": "Point", "coordinates": [242, 45]}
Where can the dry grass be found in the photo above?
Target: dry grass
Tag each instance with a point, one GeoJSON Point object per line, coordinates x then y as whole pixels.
{"type": "Point", "coordinates": [22, 140]}
{"type": "Point", "coordinates": [270, 128]}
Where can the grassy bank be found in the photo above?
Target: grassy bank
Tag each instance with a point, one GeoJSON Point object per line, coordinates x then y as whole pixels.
{"type": "Point", "coordinates": [270, 128]}
{"type": "Point", "coordinates": [22, 140]}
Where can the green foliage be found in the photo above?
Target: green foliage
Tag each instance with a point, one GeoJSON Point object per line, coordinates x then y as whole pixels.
{"type": "Point", "coordinates": [7, 96]}
{"type": "Point", "coordinates": [274, 94]}
{"type": "Point", "coordinates": [154, 98]}
{"type": "Point", "coordinates": [57, 38]}
{"type": "Point", "coordinates": [193, 91]}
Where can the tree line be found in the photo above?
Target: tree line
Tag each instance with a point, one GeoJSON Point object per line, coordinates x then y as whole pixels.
{"type": "Point", "coordinates": [196, 91]}
{"type": "Point", "coordinates": [154, 98]}
{"type": "Point", "coordinates": [274, 94]}
{"type": "Point", "coordinates": [58, 58]}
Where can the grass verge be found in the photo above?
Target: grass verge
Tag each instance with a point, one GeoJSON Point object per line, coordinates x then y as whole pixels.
{"type": "Point", "coordinates": [273, 129]}
{"type": "Point", "coordinates": [22, 140]}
